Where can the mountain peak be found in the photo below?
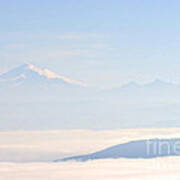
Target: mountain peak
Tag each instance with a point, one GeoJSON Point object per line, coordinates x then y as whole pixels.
{"type": "Point", "coordinates": [131, 84]}
{"type": "Point", "coordinates": [159, 83]}
{"type": "Point", "coordinates": [25, 66]}
{"type": "Point", "coordinates": [31, 72]}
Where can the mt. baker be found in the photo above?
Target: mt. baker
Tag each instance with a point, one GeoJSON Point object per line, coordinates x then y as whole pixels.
{"type": "Point", "coordinates": [28, 73]}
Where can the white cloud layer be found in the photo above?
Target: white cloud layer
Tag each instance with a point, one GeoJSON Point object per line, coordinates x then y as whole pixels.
{"type": "Point", "coordinates": [19, 147]}
{"type": "Point", "coordinates": [166, 169]}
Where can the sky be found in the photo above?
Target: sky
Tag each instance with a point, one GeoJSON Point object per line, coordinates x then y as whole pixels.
{"type": "Point", "coordinates": [102, 43]}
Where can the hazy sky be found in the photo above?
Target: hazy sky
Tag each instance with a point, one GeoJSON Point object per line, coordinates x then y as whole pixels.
{"type": "Point", "coordinates": [103, 43]}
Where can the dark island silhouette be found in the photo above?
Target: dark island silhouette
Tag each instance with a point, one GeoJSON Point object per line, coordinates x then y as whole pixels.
{"type": "Point", "coordinates": [145, 149]}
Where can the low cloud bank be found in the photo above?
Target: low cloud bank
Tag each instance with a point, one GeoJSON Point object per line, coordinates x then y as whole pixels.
{"type": "Point", "coordinates": [23, 146]}
{"type": "Point", "coordinates": [163, 168]}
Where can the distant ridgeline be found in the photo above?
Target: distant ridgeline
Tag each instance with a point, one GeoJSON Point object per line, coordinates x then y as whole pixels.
{"type": "Point", "coordinates": [145, 149]}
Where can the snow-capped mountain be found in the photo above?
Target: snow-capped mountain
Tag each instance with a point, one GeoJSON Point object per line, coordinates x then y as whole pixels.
{"type": "Point", "coordinates": [28, 74]}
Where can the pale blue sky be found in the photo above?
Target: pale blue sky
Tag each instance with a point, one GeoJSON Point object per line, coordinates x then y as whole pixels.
{"type": "Point", "coordinates": [103, 43]}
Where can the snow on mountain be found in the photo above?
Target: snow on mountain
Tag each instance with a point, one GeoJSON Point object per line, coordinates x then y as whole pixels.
{"type": "Point", "coordinates": [28, 73]}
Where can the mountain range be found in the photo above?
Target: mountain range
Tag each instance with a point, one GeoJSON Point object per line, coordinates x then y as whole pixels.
{"type": "Point", "coordinates": [28, 74]}
{"type": "Point", "coordinates": [33, 98]}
